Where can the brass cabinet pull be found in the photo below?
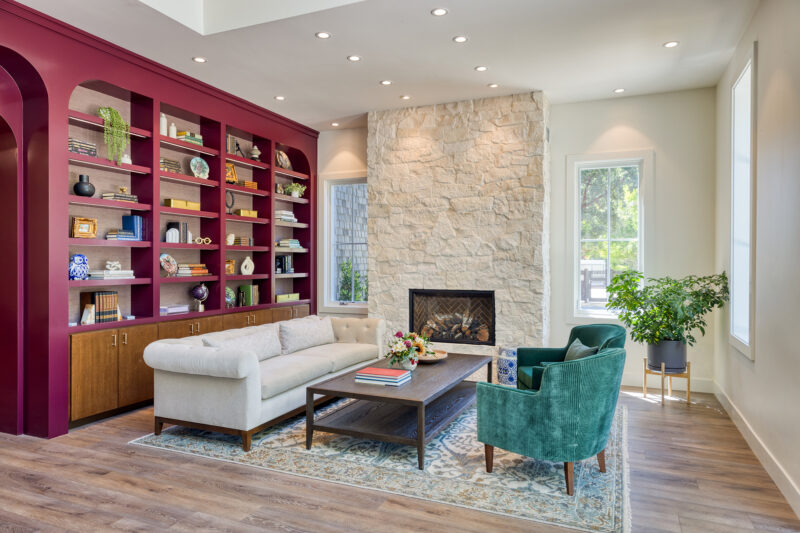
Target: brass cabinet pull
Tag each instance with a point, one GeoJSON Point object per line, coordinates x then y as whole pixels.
{"type": "Point", "coordinates": [191, 329]}
{"type": "Point", "coordinates": [198, 327]}
{"type": "Point", "coordinates": [125, 339]}
{"type": "Point", "coordinates": [114, 342]}
{"type": "Point", "coordinates": [248, 320]}
{"type": "Point", "coordinates": [254, 319]}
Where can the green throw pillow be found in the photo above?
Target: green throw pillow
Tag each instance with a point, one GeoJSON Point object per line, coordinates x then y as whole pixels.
{"type": "Point", "coordinates": [577, 350]}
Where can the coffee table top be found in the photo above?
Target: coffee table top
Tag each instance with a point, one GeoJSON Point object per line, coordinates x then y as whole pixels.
{"type": "Point", "coordinates": [428, 381]}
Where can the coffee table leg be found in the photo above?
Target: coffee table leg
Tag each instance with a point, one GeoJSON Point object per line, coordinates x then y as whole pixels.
{"type": "Point", "coordinates": [309, 418]}
{"type": "Point", "coordinates": [421, 436]}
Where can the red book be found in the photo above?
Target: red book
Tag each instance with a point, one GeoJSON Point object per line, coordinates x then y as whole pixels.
{"type": "Point", "coordinates": [388, 372]}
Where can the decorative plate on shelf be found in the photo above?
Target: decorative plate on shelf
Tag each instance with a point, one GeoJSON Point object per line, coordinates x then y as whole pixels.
{"type": "Point", "coordinates": [282, 160]}
{"type": "Point", "coordinates": [230, 297]}
{"type": "Point", "coordinates": [169, 264]}
{"type": "Point", "coordinates": [199, 167]}
{"type": "Point", "coordinates": [438, 355]}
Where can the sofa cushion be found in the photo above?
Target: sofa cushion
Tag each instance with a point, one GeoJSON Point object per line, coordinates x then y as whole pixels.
{"type": "Point", "coordinates": [302, 333]}
{"type": "Point", "coordinates": [341, 354]}
{"type": "Point", "coordinates": [530, 377]}
{"type": "Point", "coordinates": [577, 350]}
{"type": "Point", "coordinates": [261, 340]}
{"type": "Point", "coordinates": [279, 374]}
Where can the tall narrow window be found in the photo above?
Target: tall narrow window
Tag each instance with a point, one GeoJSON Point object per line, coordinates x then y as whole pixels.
{"type": "Point", "coordinates": [742, 209]}
{"type": "Point", "coordinates": [347, 269]}
{"type": "Point", "coordinates": [608, 227]}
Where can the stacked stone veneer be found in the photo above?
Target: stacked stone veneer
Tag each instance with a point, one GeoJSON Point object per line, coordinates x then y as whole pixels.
{"type": "Point", "coordinates": [459, 199]}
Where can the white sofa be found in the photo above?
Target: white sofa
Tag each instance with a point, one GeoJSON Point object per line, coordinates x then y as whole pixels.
{"type": "Point", "coordinates": [240, 381]}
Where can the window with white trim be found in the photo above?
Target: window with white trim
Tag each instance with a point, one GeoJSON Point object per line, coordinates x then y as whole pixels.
{"type": "Point", "coordinates": [608, 228]}
{"type": "Point", "coordinates": [742, 182]}
{"type": "Point", "coordinates": [346, 282]}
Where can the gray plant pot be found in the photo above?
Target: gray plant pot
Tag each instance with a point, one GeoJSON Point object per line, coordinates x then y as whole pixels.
{"type": "Point", "coordinates": [671, 353]}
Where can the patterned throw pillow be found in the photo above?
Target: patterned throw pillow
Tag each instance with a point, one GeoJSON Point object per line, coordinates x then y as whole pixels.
{"type": "Point", "coordinates": [577, 350]}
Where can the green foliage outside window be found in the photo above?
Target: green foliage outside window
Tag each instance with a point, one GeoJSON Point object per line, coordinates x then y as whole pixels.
{"type": "Point", "coordinates": [353, 286]}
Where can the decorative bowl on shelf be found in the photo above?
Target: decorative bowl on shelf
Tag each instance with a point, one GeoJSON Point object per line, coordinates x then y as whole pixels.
{"type": "Point", "coordinates": [438, 355]}
{"type": "Point", "coordinates": [199, 167]}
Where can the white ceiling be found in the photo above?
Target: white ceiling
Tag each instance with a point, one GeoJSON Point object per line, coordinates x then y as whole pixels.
{"type": "Point", "coordinates": [574, 50]}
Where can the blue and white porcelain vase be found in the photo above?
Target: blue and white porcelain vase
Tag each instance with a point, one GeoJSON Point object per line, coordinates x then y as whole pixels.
{"type": "Point", "coordinates": [78, 267]}
{"type": "Point", "coordinates": [507, 366]}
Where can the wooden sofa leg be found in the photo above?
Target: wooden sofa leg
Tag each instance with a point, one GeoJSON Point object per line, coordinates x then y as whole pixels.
{"type": "Point", "coordinates": [247, 440]}
{"type": "Point", "coordinates": [569, 477]}
{"type": "Point", "coordinates": [159, 426]}
{"type": "Point", "coordinates": [489, 452]}
{"type": "Point", "coordinates": [601, 460]}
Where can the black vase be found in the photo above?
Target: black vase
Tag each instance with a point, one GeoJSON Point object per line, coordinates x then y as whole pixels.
{"type": "Point", "coordinates": [83, 187]}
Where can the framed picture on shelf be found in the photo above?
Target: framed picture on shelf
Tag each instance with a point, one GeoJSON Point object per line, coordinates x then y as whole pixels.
{"type": "Point", "coordinates": [230, 173]}
{"type": "Point", "coordinates": [230, 266]}
{"type": "Point", "coordinates": [84, 228]}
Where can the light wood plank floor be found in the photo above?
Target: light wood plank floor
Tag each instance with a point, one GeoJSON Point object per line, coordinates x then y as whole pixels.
{"type": "Point", "coordinates": [691, 471]}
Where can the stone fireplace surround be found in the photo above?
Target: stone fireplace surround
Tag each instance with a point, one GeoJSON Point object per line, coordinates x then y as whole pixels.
{"type": "Point", "coordinates": [459, 196]}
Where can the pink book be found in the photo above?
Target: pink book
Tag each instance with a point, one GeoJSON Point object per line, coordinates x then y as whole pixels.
{"type": "Point", "coordinates": [388, 372]}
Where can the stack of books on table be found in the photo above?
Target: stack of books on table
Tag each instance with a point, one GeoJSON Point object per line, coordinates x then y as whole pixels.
{"type": "Point", "coordinates": [82, 147]}
{"type": "Point", "coordinates": [173, 309]}
{"type": "Point", "coordinates": [120, 197]}
{"type": "Point", "coordinates": [289, 243]}
{"type": "Point", "coordinates": [111, 274]}
{"type": "Point", "coordinates": [285, 216]}
{"type": "Point", "coordinates": [189, 137]}
{"type": "Point", "coordinates": [393, 377]}
{"type": "Point", "coordinates": [192, 269]}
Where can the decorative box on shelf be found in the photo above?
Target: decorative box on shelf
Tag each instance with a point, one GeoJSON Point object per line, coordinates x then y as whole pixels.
{"type": "Point", "coordinates": [246, 213]}
{"type": "Point", "coordinates": [182, 204]}
{"type": "Point", "coordinates": [291, 297]}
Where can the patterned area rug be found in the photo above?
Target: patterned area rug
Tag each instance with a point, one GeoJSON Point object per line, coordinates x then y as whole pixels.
{"type": "Point", "coordinates": [454, 473]}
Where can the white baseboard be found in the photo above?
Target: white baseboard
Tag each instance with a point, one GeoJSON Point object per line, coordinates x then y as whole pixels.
{"type": "Point", "coordinates": [634, 379]}
{"type": "Point", "coordinates": [779, 475]}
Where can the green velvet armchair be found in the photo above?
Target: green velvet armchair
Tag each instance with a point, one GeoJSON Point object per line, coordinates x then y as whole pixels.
{"type": "Point", "coordinates": [529, 360]}
{"type": "Point", "coordinates": [568, 419]}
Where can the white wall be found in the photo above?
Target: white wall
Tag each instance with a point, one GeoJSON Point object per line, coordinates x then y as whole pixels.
{"type": "Point", "coordinates": [762, 395]}
{"type": "Point", "coordinates": [679, 128]}
{"type": "Point", "coordinates": [341, 154]}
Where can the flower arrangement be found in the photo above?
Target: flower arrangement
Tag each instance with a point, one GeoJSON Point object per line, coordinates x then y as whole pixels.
{"type": "Point", "coordinates": [408, 348]}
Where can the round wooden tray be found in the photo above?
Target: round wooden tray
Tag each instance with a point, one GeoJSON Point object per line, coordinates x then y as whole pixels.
{"type": "Point", "coordinates": [438, 355]}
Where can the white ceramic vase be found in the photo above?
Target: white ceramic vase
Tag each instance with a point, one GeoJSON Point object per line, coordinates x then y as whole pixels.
{"type": "Point", "coordinates": [408, 365]}
{"type": "Point", "coordinates": [162, 127]}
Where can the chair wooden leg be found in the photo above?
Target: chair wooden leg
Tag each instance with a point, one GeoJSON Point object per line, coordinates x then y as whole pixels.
{"type": "Point", "coordinates": [159, 427]}
{"type": "Point", "coordinates": [247, 440]}
{"type": "Point", "coordinates": [488, 451]}
{"type": "Point", "coordinates": [569, 477]}
{"type": "Point", "coordinates": [663, 371]}
{"type": "Point", "coordinates": [601, 461]}
{"type": "Point", "coordinates": [644, 379]}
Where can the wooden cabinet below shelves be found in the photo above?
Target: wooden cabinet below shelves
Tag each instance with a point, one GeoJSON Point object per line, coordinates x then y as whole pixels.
{"type": "Point", "coordinates": [135, 377]}
{"type": "Point", "coordinates": [237, 320]}
{"type": "Point", "coordinates": [208, 324]}
{"type": "Point", "coordinates": [263, 316]}
{"type": "Point", "coordinates": [93, 383]}
{"type": "Point", "coordinates": [300, 311]}
{"type": "Point", "coordinates": [282, 313]}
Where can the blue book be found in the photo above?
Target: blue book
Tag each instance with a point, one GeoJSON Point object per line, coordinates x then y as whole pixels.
{"type": "Point", "coordinates": [133, 223]}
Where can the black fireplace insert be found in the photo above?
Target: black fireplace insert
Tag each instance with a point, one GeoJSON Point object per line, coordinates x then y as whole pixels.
{"type": "Point", "coordinates": [453, 316]}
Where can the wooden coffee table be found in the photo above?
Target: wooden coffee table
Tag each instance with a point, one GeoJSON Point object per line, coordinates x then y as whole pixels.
{"type": "Point", "coordinates": [412, 413]}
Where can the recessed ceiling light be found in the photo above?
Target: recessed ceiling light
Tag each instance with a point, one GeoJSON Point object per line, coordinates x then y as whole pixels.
{"type": "Point", "coordinates": [405, 97]}
{"type": "Point", "coordinates": [280, 98]}
{"type": "Point", "coordinates": [459, 39]}
{"type": "Point", "coordinates": [198, 59]}
{"type": "Point", "coordinates": [335, 124]}
{"type": "Point", "coordinates": [354, 58]}
{"type": "Point", "coordinates": [386, 82]}
{"type": "Point", "coordinates": [671, 44]}
{"type": "Point", "coordinates": [481, 69]}
{"type": "Point", "coordinates": [619, 91]}
{"type": "Point", "coordinates": [493, 86]}
{"type": "Point", "coordinates": [439, 12]}
{"type": "Point", "coordinates": [323, 35]}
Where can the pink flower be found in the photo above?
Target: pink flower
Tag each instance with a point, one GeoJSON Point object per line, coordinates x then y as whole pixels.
{"type": "Point", "coordinates": [399, 334]}
{"type": "Point", "coordinates": [408, 344]}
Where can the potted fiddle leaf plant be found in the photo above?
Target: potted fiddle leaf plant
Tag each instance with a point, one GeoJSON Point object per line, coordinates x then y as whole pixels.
{"type": "Point", "coordinates": [294, 189]}
{"type": "Point", "coordinates": [116, 133]}
{"type": "Point", "coordinates": [665, 312]}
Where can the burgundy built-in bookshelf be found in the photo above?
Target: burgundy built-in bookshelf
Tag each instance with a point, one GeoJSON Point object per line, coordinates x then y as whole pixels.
{"type": "Point", "coordinates": [143, 296]}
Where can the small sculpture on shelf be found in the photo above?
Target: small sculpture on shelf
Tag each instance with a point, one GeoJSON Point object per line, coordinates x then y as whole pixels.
{"type": "Point", "coordinates": [82, 187]}
{"type": "Point", "coordinates": [255, 153]}
{"type": "Point", "coordinates": [230, 200]}
{"type": "Point", "coordinates": [113, 265]}
{"type": "Point", "coordinates": [247, 266]}
{"type": "Point", "coordinates": [78, 267]}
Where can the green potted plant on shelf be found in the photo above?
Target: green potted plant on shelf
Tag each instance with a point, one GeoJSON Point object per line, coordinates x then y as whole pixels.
{"type": "Point", "coordinates": [116, 133]}
{"type": "Point", "coordinates": [294, 189]}
{"type": "Point", "coordinates": [664, 312]}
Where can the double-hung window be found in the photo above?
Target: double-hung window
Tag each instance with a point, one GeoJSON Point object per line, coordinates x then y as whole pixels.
{"type": "Point", "coordinates": [346, 282]}
{"type": "Point", "coordinates": [607, 222]}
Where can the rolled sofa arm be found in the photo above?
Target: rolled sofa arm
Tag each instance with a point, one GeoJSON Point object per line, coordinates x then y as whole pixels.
{"type": "Point", "coordinates": [360, 330]}
{"type": "Point", "coordinates": [200, 360]}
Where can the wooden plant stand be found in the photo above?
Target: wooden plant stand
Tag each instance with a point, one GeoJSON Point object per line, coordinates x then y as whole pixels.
{"type": "Point", "coordinates": [663, 374]}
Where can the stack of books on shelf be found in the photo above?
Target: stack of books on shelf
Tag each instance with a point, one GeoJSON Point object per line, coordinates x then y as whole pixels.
{"type": "Point", "coordinates": [285, 216]}
{"type": "Point", "coordinates": [173, 309]}
{"type": "Point", "coordinates": [132, 229]}
{"type": "Point", "coordinates": [105, 303]}
{"type": "Point", "coordinates": [250, 184]}
{"type": "Point", "coordinates": [82, 147]}
{"type": "Point", "coordinates": [192, 269]}
{"type": "Point", "coordinates": [120, 196]}
{"type": "Point", "coordinates": [111, 274]}
{"type": "Point", "coordinates": [288, 243]}
{"type": "Point", "coordinates": [121, 235]}
{"type": "Point", "coordinates": [393, 377]}
{"type": "Point", "coordinates": [283, 264]}
{"type": "Point", "coordinates": [170, 165]}
{"type": "Point", "coordinates": [243, 241]}
{"type": "Point", "coordinates": [189, 137]}
{"type": "Point", "coordinates": [248, 295]}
